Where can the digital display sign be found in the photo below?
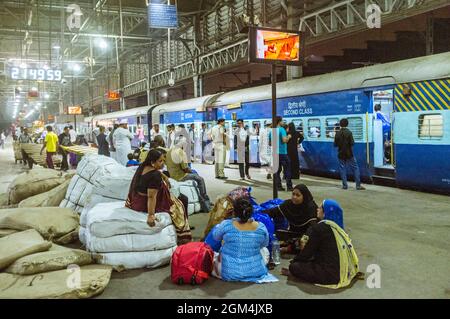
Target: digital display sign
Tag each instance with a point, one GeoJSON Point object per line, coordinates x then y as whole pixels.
{"type": "Point", "coordinates": [34, 74]}
{"type": "Point", "coordinates": [275, 46]}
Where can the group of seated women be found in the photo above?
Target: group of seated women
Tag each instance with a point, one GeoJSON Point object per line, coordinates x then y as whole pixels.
{"type": "Point", "coordinates": [325, 255]}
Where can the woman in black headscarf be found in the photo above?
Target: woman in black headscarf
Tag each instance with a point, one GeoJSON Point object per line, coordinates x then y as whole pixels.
{"type": "Point", "coordinates": [296, 139]}
{"type": "Point", "coordinates": [300, 211]}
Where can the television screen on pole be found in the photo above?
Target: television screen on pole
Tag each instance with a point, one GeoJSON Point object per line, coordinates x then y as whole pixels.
{"type": "Point", "coordinates": [275, 46]}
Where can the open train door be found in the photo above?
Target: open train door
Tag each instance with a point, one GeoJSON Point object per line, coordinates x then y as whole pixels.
{"type": "Point", "coordinates": [383, 136]}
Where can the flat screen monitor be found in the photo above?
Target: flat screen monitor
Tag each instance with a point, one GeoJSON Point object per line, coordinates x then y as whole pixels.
{"type": "Point", "coordinates": [275, 46]}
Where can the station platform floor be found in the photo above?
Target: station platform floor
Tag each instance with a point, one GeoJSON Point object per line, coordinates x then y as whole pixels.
{"type": "Point", "coordinates": [404, 233]}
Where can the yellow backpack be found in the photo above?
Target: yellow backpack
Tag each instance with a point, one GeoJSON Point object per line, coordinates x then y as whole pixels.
{"type": "Point", "coordinates": [348, 260]}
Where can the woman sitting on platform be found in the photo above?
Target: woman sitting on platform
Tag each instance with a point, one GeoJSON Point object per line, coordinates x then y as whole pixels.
{"type": "Point", "coordinates": [240, 258]}
{"type": "Point", "coordinates": [149, 192]}
{"type": "Point", "coordinates": [327, 256]}
{"type": "Point", "coordinates": [300, 211]}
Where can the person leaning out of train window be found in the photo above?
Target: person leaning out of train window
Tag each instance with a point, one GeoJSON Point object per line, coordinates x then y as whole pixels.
{"type": "Point", "coordinates": [327, 256]}
{"type": "Point", "coordinates": [300, 211]}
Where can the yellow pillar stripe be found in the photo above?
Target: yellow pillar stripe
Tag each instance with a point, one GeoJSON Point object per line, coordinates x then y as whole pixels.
{"type": "Point", "coordinates": [400, 97]}
{"type": "Point", "coordinates": [431, 96]}
{"type": "Point", "coordinates": [424, 101]}
{"type": "Point", "coordinates": [403, 106]}
{"type": "Point", "coordinates": [440, 89]}
{"type": "Point", "coordinates": [437, 94]}
{"type": "Point", "coordinates": [446, 87]}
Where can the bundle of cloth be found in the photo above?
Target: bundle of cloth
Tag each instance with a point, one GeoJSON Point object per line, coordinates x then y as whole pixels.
{"type": "Point", "coordinates": [121, 237]}
{"type": "Point", "coordinates": [190, 190]}
{"type": "Point", "coordinates": [98, 179]}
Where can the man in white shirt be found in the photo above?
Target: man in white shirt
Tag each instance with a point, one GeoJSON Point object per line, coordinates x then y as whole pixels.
{"type": "Point", "coordinates": [155, 132]}
{"type": "Point", "coordinates": [72, 134]}
{"type": "Point", "coordinates": [122, 142]}
{"type": "Point", "coordinates": [218, 137]}
{"type": "Point", "coordinates": [242, 147]}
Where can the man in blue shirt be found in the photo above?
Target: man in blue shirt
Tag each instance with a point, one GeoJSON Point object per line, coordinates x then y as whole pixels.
{"type": "Point", "coordinates": [283, 159]}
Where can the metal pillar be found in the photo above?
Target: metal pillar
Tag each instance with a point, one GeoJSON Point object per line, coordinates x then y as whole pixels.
{"type": "Point", "coordinates": [292, 72]}
{"type": "Point", "coordinates": [430, 35]}
{"type": "Point", "coordinates": [274, 115]}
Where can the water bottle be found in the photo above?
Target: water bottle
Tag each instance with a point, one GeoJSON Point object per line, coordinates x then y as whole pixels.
{"type": "Point", "coordinates": [276, 251]}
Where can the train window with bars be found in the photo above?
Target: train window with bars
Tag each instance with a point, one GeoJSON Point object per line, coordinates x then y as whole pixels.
{"type": "Point", "coordinates": [355, 124]}
{"type": "Point", "coordinates": [331, 127]}
{"type": "Point", "coordinates": [298, 125]}
{"type": "Point", "coordinates": [431, 126]}
{"type": "Point", "coordinates": [314, 128]}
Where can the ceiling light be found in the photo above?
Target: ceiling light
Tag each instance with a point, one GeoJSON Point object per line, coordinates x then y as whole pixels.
{"type": "Point", "coordinates": [101, 43]}
{"type": "Point", "coordinates": [23, 65]}
{"type": "Point", "coordinates": [46, 96]}
{"type": "Point", "coordinates": [76, 67]}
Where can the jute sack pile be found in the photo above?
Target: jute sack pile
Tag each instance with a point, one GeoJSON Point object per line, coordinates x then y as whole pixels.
{"type": "Point", "coordinates": [3, 200]}
{"type": "Point", "coordinates": [34, 182]}
{"type": "Point", "coordinates": [21, 244]}
{"type": "Point", "coordinates": [7, 232]}
{"type": "Point", "coordinates": [52, 198]}
{"type": "Point", "coordinates": [56, 258]}
{"type": "Point", "coordinates": [59, 225]}
{"type": "Point", "coordinates": [91, 280]}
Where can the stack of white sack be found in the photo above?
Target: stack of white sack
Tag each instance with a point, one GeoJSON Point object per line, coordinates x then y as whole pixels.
{"type": "Point", "coordinates": [190, 190]}
{"type": "Point", "coordinates": [120, 237]}
{"type": "Point", "coordinates": [97, 175]}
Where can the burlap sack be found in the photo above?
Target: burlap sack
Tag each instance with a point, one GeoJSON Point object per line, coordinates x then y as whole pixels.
{"type": "Point", "coordinates": [34, 182]}
{"type": "Point", "coordinates": [21, 244]}
{"type": "Point", "coordinates": [84, 282]}
{"type": "Point", "coordinates": [52, 198]}
{"type": "Point", "coordinates": [51, 222]}
{"type": "Point", "coordinates": [223, 208]}
{"type": "Point", "coordinates": [56, 258]}
{"type": "Point", "coordinates": [3, 200]}
{"type": "Point", "coordinates": [7, 232]}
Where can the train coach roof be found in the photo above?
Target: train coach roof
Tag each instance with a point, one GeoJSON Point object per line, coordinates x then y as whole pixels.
{"type": "Point", "coordinates": [120, 114]}
{"type": "Point", "coordinates": [199, 103]}
{"type": "Point", "coordinates": [423, 68]}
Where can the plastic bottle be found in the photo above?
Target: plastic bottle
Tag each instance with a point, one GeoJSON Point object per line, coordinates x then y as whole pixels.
{"type": "Point", "coordinates": [276, 251]}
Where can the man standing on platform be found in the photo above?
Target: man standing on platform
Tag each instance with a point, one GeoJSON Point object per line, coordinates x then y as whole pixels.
{"type": "Point", "coordinates": [283, 159]}
{"type": "Point", "coordinates": [344, 142]}
{"type": "Point", "coordinates": [64, 140]}
{"type": "Point", "coordinates": [122, 142]}
{"type": "Point", "coordinates": [242, 146]}
{"type": "Point", "coordinates": [51, 145]}
{"type": "Point", "coordinates": [103, 146]}
{"type": "Point", "coordinates": [218, 136]}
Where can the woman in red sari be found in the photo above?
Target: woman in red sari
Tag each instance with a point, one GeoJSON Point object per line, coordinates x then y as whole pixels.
{"type": "Point", "coordinates": [149, 192]}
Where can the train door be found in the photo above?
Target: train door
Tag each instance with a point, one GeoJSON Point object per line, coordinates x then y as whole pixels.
{"type": "Point", "coordinates": [383, 114]}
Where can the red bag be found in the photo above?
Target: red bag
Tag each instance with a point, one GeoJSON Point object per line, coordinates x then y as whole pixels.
{"type": "Point", "coordinates": [192, 263]}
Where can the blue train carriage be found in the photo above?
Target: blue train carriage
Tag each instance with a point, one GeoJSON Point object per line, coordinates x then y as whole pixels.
{"type": "Point", "coordinates": [193, 111]}
{"type": "Point", "coordinates": [422, 134]}
{"type": "Point", "coordinates": [136, 118]}
{"type": "Point", "coordinates": [316, 105]}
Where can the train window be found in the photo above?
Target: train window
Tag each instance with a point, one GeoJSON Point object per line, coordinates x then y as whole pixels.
{"type": "Point", "coordinates": [298, 125]}
{"type": "Point", "coordinates": [431, 126]}
{"type": "Point", "coordinates": [314, 128]}
{"type": "Point", "coordinates": [331, 127]}
{"type": "Point", "coordinates": [355, 124]}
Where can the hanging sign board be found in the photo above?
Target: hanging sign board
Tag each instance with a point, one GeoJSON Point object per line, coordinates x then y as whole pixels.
{"type": "Point", "coordinates": [162, 16]}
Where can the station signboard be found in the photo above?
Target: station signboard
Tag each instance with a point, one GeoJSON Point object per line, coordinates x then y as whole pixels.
{"type": "Point", "coordinates": [162, 16]}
